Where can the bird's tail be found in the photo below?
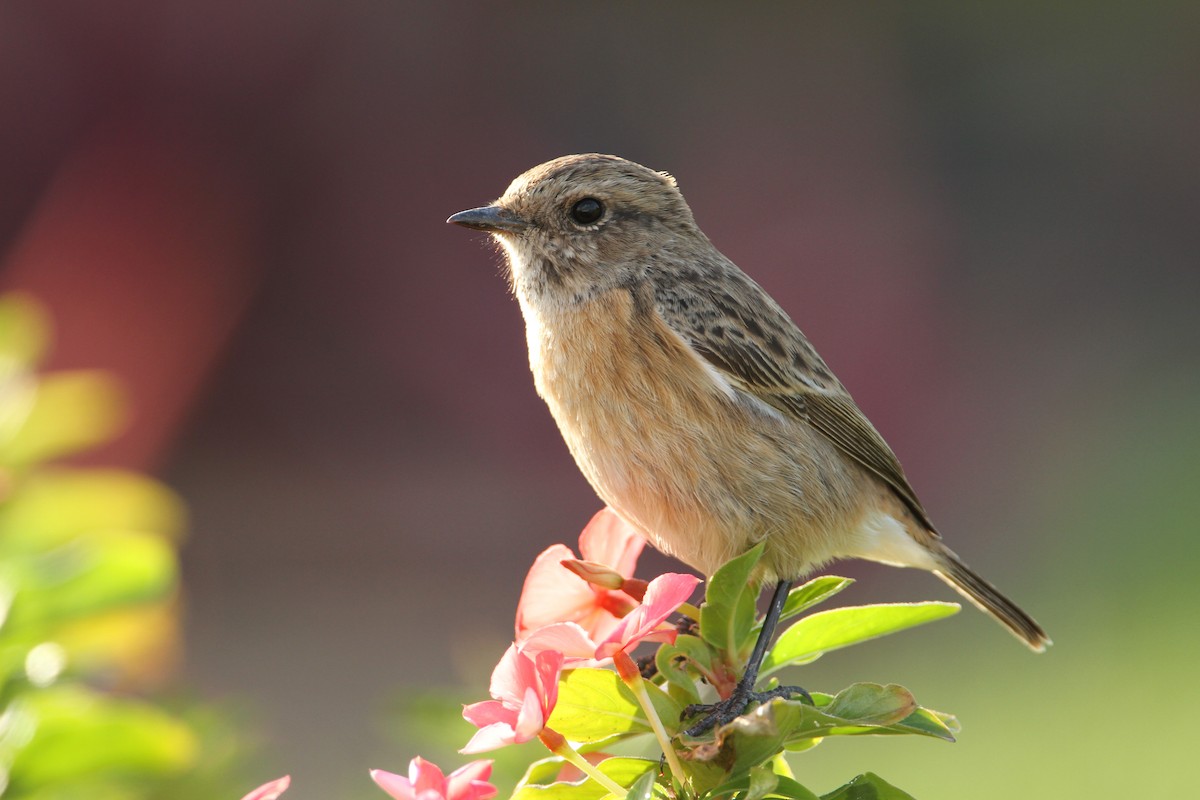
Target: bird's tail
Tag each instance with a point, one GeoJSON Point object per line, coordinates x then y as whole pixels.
{"type": "Point", "coordinates": [989, 600]}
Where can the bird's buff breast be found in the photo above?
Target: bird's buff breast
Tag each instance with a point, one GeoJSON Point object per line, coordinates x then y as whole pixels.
{"type": "Point", "coordinates": [659, 438]}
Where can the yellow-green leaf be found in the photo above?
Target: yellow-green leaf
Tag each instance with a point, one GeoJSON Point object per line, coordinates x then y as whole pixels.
{"type": "Point", "coordinates": [84, 735]}
{"type": "Point", "coordinates": [56, 505]}
{"type": "Point", "coordinates": [24, 332]}
{"type": "Point", "coordinates": [71, 411]}
{"type": "Point", "coordinates": [625, 771]}
{"type": "Point", "coordinates": [817, 634]}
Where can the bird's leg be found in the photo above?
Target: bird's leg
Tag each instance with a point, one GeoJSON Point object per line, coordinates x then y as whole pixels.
{"type": "Point", "coordinates": [743, 694]}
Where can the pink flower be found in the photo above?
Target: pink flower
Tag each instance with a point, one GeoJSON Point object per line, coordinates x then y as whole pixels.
{"type": "Point", "coordinates": [568, 639]}
{"type": "Point", "coordinates": [645, 623]}
{"type": "Point", "coordinates": [270, 791]}
{"type": "Point", "coordinates": [552, 593]}
{"type": "Point", "coordinates": [664, 596]}
{"type": "Point", "coordinates": [426, 782]}
{"type": "Point", "coordinates": [525, 688]}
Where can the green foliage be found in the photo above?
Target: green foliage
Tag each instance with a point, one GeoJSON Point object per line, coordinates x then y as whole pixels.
{"type": "Point", "coordinates": [88, 577]}
{"type": "Point", "coordinates": [815, 635]}
{"type": "Point", "coordinates": [727, 616]}
{"type": "Point", "coordinates": [867, 786]}
{"type": "Point", "coordinates": [594, 705]}
{"type": "Point", "coordinates": [82, 734]}
{"type": "Point", "coordinates": [745, 757]}
{"type": "Point", "coordinates": [540, 781]}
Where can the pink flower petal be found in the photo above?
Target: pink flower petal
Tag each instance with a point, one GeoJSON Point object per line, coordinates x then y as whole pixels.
{"type": "Point", "coordinates": [611, 540]}
{"type": "Point", "coordinates": [270, 791]}
{"type": "Point", "coordinates": [525, 688]}
{"type": "Point", "coordinates": [552, 593]}
{"type": "Point", "coordinates": [548, 665]}
{"type": "Point", "coordinates": [567, 638]}
{"type": "Point", "coordinates": [397, 786]}
{"type": "Point", "coordinates": [425, 776]}
{"type": "Point", "coordinates": [600, 621]}
{"type": "Point", "coordinates": [490, 737]}
{"type": "Point", "coordinates": [469, 782]}
{"type": "Point", "coordinates": [664, 596]}
{"type": "Point", "coordinates": [510, 677]}
{"type": "Point", "coordinates": [480, 790]}
{"type": "Point", "coordinates": [668, 592]}
{"type": "Point", "coordinates": [489, 712]}
{"type": "Point", "coordinates": [530, 719]}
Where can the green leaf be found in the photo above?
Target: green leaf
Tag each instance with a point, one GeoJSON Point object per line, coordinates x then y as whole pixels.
{"type": "Point", "coordinates": [24, 332]}
{"type": "Point", "coordinates": [91, 575]}
{"type": "Point", "coordinates": [71, 411]}
{"type": "Point", "coordinates": [785, 786]}
{"type": "Point", "coordinates": [643, 787]}
{"type": "Point", "coordinates": [800, 745]}
{"type": "Point", "coordinates": [763, 781]}
{"type": "Point", "coordinates": [755, 738]}
{"type": "Point", "coordinates": [694, 650]}
{"type": "Point", "coordinates": [625, 771]}
{"type": "Point", "coordinates": [56, 505]}
{"type": "Point", "coordinates": [869, 709]}
{"type": "Point", "coordinates": [872, 703]}
{"type": "Point", "coordinates": [669, 710]}
{"type": "Point", "coordinates": [672, 663]}
{"type": "Point", "coordinates": [867, 786]}
{"type": "Point", "coordinates": [759, 736]}
{"type": "Point", "coordinates": [927, 722]}
{"type": "Point", "coordinates": [781, 766]}
{"type": "Point", "coordinates": [676, 663]}
{"type": "Point", "coordinates": [594, 705]}
{"type": "Point", "coordinates": [728, 615]}
{"type": "Point", "coordinates": [817, 634]}
{"type": "Point", "coordinates": [818, 590]}
{"type": "Point", "coordinates": [543, 771]}
{"type": "Point", "coordinates": [83, 734]}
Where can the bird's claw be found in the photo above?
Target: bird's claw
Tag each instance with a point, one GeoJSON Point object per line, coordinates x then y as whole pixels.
{"type": "Point", "coordinates": [732, 707]}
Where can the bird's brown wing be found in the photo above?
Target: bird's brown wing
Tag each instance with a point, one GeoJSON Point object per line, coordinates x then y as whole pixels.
{"type": "Point", "coordinates": [761, 352]}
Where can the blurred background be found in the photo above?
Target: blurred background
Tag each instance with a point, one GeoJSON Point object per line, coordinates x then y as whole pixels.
{"type": "Point", "coordinates": [986, 217]}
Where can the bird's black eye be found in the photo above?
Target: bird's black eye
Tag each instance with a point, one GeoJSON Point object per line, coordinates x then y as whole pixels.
{"type": "Point", "coordinates": [587, 211]}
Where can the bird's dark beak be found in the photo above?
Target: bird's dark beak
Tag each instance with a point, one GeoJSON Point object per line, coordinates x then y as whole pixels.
{"type": "Point", "coordinates": [493, 219]}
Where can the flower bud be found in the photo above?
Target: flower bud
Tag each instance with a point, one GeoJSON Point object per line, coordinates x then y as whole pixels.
{"type": "Point", "coordinates": [595, 573]}
{"type": "Point", "coordinates": [626, 668]}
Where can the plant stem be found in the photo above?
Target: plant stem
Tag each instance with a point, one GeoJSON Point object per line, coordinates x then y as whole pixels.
{"type": "Point", "coordinates": [558, 745]}
{"type": "Point", "coordinates": [633, 679]}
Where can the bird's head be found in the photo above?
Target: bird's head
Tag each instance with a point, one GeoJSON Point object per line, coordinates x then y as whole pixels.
{"type": "Point", "coordinates": [582, 225]}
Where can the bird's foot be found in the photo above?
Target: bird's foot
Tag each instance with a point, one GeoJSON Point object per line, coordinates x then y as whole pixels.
{"type": "Point", "coordinates": [732, 707]}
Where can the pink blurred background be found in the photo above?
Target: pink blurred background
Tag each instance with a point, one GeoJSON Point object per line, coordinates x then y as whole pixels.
{"type": "Point", "coordinates": [987, 219]}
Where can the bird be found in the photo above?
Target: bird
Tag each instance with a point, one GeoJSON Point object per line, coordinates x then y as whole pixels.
{"type": "Point", "coordinates": [693, 404]}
